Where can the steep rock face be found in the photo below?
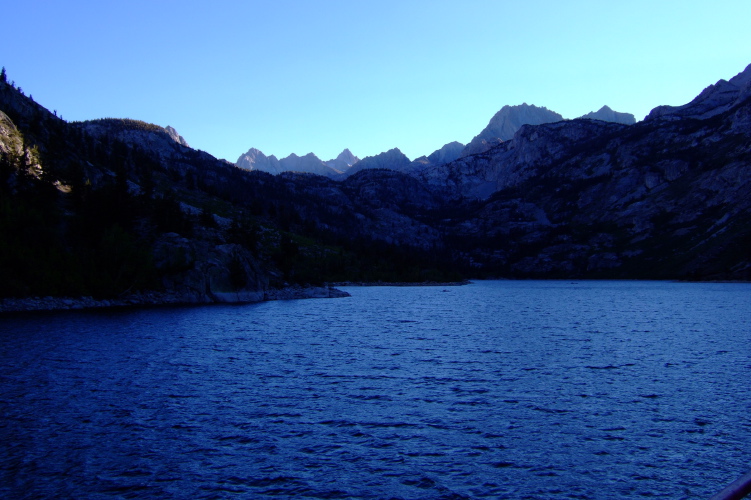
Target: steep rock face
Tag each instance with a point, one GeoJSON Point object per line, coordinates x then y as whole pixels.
{"type": "Point", "coordinates": [11, 140]}
{"type": "Point", "coordinates": [343, 162]}
{"type": "Point", "coordinates": [256, 160]}
{"type": "Point", "coordinates": [608, 115]}
{"type": "Point", "coordinates": [392, 159]}
{"type": "Point", "coordinates": [506, 122]}
{"type": "Point", "coordinates": [22, 112]}
{"type": "Point", "coordinates": [713, 100]}
{"type": "Point", "coordinates": [175, 136]}
{"type": "Point", "coordinates": [532, 150]}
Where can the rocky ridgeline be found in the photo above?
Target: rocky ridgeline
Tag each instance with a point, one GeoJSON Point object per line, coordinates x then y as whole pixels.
{"type": "Point", "coordinates": [502, 127]}
{"type": "Point", "coordinates": [712, 101]}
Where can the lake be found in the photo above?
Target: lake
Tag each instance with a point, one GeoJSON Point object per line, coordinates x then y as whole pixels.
{"type": "Point", "coordinates": [498, 389]}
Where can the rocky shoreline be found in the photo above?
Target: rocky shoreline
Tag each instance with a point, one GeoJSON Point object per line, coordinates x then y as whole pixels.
{"type": "Point", "coordinates": [154, 299]}
{"type": "Point", "coordinates": [147, 299]}
{"type": "Point", "coordinates": [403, 283]}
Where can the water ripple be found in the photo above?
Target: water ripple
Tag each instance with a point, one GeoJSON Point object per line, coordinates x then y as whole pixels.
{"type": "Point", "coordinates": [496, 390]}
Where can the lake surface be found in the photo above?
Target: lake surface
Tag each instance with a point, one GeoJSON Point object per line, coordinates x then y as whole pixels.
{"type": "Point", "coordinates": [499, 389]}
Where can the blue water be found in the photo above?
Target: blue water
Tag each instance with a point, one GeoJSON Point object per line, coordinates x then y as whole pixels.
{"type": "Point", "coordinates": [504, 389]}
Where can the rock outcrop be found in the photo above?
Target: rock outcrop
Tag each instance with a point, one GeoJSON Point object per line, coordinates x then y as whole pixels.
{"type": "Point", "coordinates": [176, 137]}
{"type": "Point", "coordinates": [11, 141]}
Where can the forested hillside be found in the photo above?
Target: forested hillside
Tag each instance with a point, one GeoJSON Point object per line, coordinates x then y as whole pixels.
{"type": "Point", "coordinates": [114, 207]}
{"type": "Point", "coordinates": [110, 207]}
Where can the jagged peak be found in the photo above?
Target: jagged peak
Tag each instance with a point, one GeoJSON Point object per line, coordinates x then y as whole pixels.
{"type": "Point", "coordinates": [254, 151]}
{"type": "Point", "coordinates": [504, 124]}
{"type": "Point", "coordinates": [607, 114]}
{"type": "Point", "coordinates": [346, 156]}
{"type": "Point", "coordinates": [343, 162]}
{"type": "Point", "coordinates": [392, 151]}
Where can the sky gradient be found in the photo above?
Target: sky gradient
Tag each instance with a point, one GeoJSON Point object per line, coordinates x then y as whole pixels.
{"type": "Point", "coordinates": [295, 76]}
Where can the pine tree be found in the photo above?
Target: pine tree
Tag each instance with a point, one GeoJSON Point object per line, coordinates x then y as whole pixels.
{"type": "Point", "coordinates": [3, 76]}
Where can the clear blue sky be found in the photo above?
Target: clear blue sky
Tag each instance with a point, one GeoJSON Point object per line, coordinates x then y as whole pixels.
{"type": "Point", "coordinates": [306, 76]}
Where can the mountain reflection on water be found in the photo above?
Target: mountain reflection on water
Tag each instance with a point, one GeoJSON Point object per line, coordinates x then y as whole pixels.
{"type": "Point", "coordinates": [499, 389]}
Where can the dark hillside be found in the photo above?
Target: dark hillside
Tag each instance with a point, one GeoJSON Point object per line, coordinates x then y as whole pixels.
{"type": "Point", "coordinates": [110, 207]}
{"type": "Point", "coordinates": [113, 207]}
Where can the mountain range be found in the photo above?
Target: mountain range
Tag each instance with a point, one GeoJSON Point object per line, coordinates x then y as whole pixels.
{"type": "Point", "coordinates": [120, 209]}
{"type": "Point", "coordinates": [502, 127]}
{"type": "Point", "coordinates": [310, 163]}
